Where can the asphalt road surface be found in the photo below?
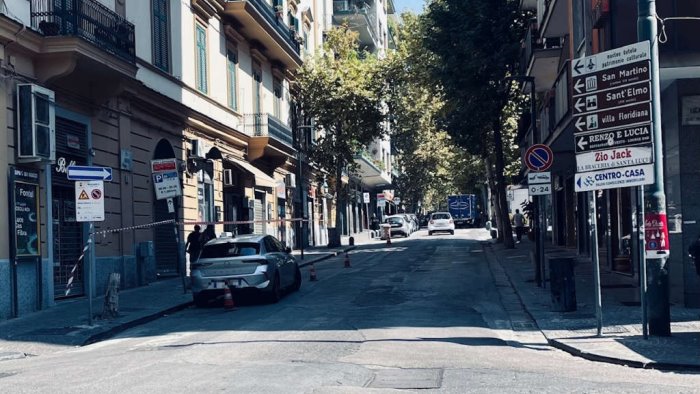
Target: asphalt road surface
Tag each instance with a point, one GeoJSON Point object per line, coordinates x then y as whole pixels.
{"type": "Point", "coordinates": [422, 315]}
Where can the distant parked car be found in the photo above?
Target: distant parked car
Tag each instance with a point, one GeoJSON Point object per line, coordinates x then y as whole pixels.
{"type": "Point", "coordinates": [399, 225]}
{"type": "Point", "coordinates": [441, 221]}
{"type": "Point", "coordinates": [246, 262]}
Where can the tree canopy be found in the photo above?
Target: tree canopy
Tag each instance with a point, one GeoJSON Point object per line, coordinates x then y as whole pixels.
{"type": "Point", "coordinates": [342, 89]}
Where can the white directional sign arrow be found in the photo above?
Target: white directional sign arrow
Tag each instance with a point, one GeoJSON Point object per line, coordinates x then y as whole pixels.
{"type": "Point", "coordinates": [87, 173]}
{"type": "Point", "coordinates": [582, 143]}
{"type": "Point", "coordinates": [580, 104]}
{"type": "Point", "coordinates": [578, 66]}
{"type": "Point", "coordinates": [579, 86]}
{"type": "Point", "coordinates": [580, 123]}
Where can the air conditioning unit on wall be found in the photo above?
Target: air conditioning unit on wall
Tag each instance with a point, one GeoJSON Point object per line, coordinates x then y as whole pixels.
{"type": "Point", "coordinates": [290, 181]}
{"type": "Point", "coordinates": [36, 124]}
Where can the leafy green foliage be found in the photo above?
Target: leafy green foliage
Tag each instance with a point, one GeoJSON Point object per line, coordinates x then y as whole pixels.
{"type": "Point", "coordinates": [341, 88]}
{"type": "Point", "coordinates": [477, 43]}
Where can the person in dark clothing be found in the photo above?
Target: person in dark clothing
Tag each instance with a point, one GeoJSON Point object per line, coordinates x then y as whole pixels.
{"type": "Point", "coordinates": [193, 245]}
{"type": "Point", "coordinates": [374, 223]}
{"type": "Point", "coordinates": [207, 235]}
{"type": "Point", "coordinates": [694, 252]}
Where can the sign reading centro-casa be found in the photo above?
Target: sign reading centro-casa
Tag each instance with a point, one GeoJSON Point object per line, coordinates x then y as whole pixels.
{"type": "Point", "coordinates": [612, 119]}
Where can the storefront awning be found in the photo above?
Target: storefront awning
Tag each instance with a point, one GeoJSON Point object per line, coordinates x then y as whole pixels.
{"type": "Point", "coordinates": [261, 179]}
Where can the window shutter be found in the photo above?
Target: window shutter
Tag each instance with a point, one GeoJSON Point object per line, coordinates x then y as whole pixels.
{"type": "Point", "coordinates": [161, 39]}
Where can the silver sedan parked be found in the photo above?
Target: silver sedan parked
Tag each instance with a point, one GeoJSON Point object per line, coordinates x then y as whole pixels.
{"type": "Point", "coordinates": [246, 262]}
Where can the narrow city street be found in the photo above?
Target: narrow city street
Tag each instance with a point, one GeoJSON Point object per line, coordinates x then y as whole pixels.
{"type": "Point", "coordinates": [423, 313]}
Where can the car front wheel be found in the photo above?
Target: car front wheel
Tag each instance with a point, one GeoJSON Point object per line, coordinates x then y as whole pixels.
{"type": "Point", "coordinates": [430, 233]}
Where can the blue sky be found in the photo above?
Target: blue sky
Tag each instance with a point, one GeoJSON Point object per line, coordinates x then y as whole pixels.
{"type": "Point", "coordinates": [413, 5]}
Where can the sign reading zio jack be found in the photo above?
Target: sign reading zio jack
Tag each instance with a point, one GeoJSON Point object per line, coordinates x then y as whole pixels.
{"type": "Point", "coordinates": [612, 118]}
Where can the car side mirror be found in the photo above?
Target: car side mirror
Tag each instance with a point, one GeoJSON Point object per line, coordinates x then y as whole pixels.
{"type": "Point", "coordinates": [288, 250]}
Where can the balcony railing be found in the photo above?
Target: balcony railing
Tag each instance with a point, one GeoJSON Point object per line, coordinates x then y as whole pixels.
{"type": "Point", "coordinates": [533, 43]}
{"type": "Point", "coordinates": [88, 20]}
{"type": "Point", "coordinates": [266, 125]}
{"type": "Point", "coordinates": [268, 12]}
{"type": "Point", "coordinates": [359, 7]}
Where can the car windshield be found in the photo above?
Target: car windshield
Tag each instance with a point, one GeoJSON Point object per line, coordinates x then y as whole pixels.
{"type": "Point", "coordinates": [441, 216]}
{"type": "Point", "coordinates": [394, 220]}
{"type": "Point", "coordinates": [229, 249]}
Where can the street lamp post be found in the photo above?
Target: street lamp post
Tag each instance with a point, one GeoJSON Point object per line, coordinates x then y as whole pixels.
{"type": "Point", "coordinates": [657, 298]}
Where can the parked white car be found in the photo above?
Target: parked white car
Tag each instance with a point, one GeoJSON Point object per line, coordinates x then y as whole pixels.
{"type": "Point", "coordinates": [399, 225]}
{"type": "Point", "coordinates": [441, 221]}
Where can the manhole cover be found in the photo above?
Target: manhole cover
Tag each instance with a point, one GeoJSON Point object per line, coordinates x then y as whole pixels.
{"type": "Point", "coordinates": [407, 379]}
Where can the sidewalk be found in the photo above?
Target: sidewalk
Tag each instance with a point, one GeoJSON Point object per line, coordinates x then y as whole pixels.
{"type": "Point", "coordinates": [65, 325]}
{"type": "Point", "coordinates": [575, 332]}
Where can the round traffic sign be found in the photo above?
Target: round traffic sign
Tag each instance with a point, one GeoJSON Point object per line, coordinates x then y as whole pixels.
{"type": "Point", "coordinates": [539, 157]}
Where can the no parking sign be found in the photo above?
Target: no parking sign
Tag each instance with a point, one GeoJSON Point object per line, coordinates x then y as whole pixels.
{"type": "Point", "coordinates": [539, 157]}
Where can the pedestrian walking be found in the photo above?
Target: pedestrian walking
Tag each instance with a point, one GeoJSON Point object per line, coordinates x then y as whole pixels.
{"type": "Point", "coordinates": [519, 223]}
{"type": "Point", "coordinates": [193, 245]}
{"type": "Point", "coordinates": [694, 253]}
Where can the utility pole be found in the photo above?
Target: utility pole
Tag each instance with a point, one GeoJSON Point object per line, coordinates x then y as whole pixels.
{"type": "Point", "coordinates": [657, 296]}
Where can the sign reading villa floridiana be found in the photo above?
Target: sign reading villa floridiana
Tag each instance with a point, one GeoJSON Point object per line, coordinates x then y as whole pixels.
{"type": "Point", "coordinates": [612, 118]}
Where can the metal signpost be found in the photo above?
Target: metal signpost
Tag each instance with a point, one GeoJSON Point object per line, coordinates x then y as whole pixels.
{"type": "Point", "coordinates": [539, 158]}
{"type": "Point", "coordinates": [166, 183]}
{"type": "Point", "coordinates": [89, 207]}
{"type": "Point", "coordinates": [365, 199]}
{"type": "Point", "coordinates": [613, 134]}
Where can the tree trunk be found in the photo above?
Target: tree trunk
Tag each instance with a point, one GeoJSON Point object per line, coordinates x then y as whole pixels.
{"type": "Point", "coordinates": [496, 205]}
{"type": "Point", "coordinates": [501, 187]}
{"type": "Point", "coordinates": [339, 201]}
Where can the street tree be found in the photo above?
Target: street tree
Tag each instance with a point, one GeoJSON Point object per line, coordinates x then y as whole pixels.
{"type": "Point", "coordinates": [341, 89]}
{"type": "Point", "coordinates": [477, 44]}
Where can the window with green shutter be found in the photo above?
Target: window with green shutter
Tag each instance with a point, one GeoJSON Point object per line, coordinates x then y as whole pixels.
{"type": "Point", "coordinates": [161, 36]}
{"type": "Point", "coordinates": [201, 57]}
{"type": "Point", "coordinates": [232, 61]}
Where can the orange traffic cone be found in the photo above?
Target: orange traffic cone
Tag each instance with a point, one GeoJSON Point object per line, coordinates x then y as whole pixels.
{"type": "Point", "coordinates": [312, 273]}
{"type": "Point", "coordinates": [228, 299]}
{"type": "Point", "coordinates": [347, 260]}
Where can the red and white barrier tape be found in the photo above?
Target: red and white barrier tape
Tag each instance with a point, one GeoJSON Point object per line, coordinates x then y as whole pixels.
{"type": "Point", "coordinates": [92, 234]}
{"type": "Point", "coordinates": [69, 285]}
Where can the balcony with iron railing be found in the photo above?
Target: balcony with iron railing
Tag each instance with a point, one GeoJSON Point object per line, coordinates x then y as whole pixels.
{"type": "Point", "coordinates": [266, 125]}
{"type": "Point", "coordinates": [372, 170]}
{"type": "Point", "coordinates": [540, 58]}
{"type": "Point", "coordinates": [359, 14]}
{"type": "Point", "coordinates": [88, 20]}
{"type": "Point", "coordinates": [260, 20]}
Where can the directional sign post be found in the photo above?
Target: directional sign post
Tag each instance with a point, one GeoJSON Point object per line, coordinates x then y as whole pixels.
{"type": "Point", "coordinates": [89, 207]}
{"type": "Point", "coordinates": [89, 173]}
{"type": "Point", "coordinates": [612, 117]}
{"type": "Point", "coordinates": [613, 130]}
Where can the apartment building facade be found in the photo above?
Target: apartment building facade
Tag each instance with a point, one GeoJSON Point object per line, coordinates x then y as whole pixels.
{"type": "Point", "coordinates": [564, 30]}
{"type": "Point", "coordinates": [370, 19]}
{"type": "Point", "coordinates": [121, 83]}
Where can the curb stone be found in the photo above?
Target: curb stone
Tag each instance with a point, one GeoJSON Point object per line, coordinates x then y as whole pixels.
{"type": "Point", "coordinates": [101, 336]}
{"type": "Point", "coordinates": [558, 344]}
